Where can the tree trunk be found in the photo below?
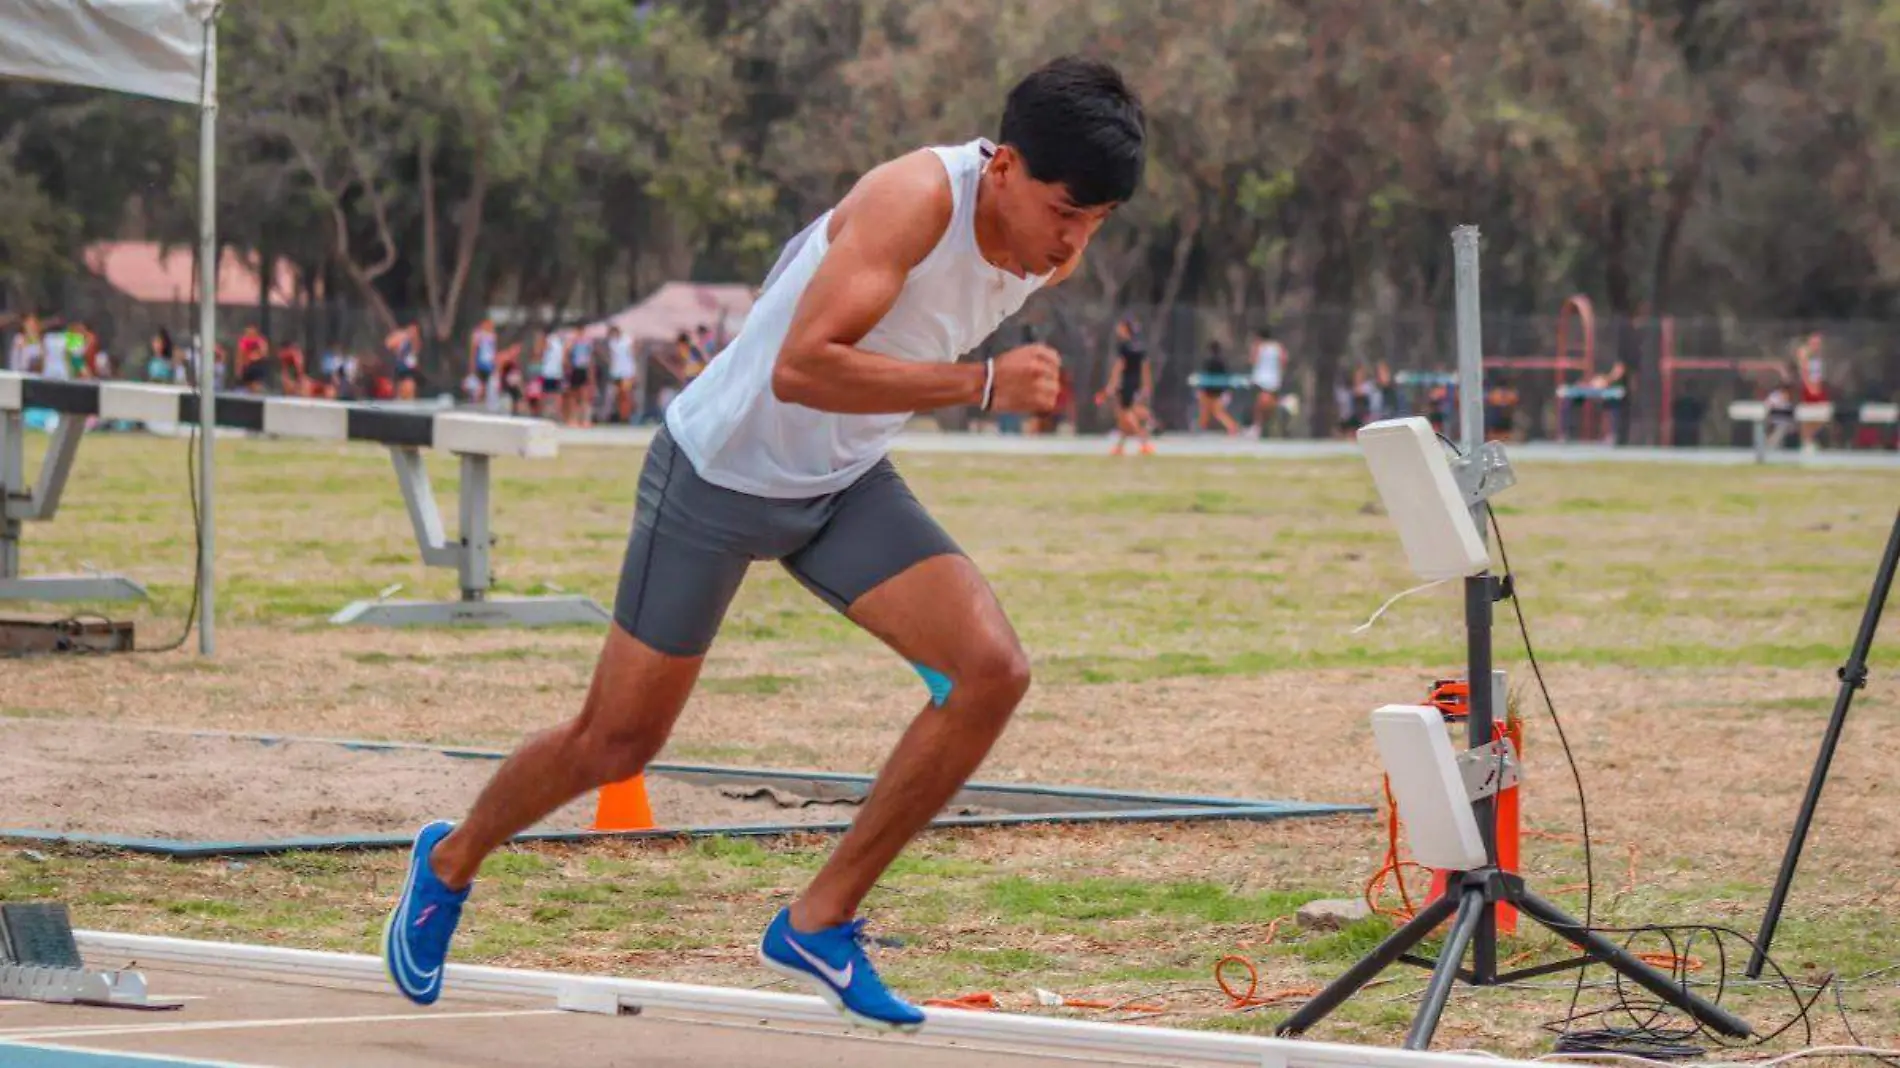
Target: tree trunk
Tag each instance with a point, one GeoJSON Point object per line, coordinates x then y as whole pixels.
{"type": "Point", "coordinates": [445, 303]}
{"type": "Point", "coordinates": [266, 269]}
{"type": "Point", "coordinates": [1682, 186]}
{"type": "Point", "coordinates": [1333, 285]}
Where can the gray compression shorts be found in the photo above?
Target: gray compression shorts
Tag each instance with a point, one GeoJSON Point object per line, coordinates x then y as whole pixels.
{"type": "Point", "coordinates": [692, 543]}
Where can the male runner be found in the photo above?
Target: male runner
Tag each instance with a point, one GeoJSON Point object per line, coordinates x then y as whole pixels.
{"type": "Point", "coordinates": [777, 452]}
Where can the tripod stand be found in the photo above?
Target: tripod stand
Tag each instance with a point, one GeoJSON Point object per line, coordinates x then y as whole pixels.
{"type": "Point", "coordinates": [1471, 899]}
{"type": "Point", "coordinates": [1853, 676]}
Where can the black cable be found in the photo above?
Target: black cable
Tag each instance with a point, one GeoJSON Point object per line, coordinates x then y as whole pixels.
{"type": "Point", "coordinates": [197, 538]}
{"type": "Point", "coordinates": [1576, 775]}
{"type": "Point", "coordinates": [1644, 1037]}
{"type": "Point", "coordinates": [1841, 1006]}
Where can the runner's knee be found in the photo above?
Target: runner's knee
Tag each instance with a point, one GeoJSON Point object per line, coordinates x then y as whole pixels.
{"type": "Point", "coordinates": [993, 672]}
{"type": "Point", "coordinates": [613, 751]}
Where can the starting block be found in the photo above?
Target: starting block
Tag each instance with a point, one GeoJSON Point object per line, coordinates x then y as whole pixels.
{"type": "Point", "coordinates": [39, 961]}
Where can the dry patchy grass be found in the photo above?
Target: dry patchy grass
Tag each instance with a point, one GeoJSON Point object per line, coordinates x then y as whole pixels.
{"type": "Point", "coordinates": [1190, 624]}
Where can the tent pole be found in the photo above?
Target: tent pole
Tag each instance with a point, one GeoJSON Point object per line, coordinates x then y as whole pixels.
{"type": "Point", "coordinates": [207, 325]}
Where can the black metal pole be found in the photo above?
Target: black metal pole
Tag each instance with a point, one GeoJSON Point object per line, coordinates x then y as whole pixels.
{"type": "Point", "coordinates": [1853, 677]}
{"type": "Point", "coordinates": [1479, 592]}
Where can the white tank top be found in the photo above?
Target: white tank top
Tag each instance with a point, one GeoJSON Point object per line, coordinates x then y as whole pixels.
{"type": "Point", "coordinates": [739, 436]}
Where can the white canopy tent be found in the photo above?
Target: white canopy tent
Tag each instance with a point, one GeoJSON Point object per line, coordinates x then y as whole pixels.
{"type": "Point", "coordinates": [166, 49]}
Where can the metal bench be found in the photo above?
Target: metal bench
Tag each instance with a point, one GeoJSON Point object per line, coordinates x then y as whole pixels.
{"type": "Point", "coordinates": [1757, 414]}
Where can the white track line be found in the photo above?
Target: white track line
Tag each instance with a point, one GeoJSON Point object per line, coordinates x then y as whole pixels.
{"type": "Point", "coordinates": [252, 1025]}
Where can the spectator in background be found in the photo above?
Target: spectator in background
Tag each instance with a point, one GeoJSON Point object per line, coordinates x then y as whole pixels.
{"type": "Point", "coordinates": [1349, 394]}
{"type": "Point", "coordinates": [1612, 407]}
{"type": "Point", "coordinates": [161, 359]}
{"type": "Point", "coordinates": [23, 352]}
{"type": "Point", "coordinates": [1811, 373]}
{"type": "Point", "coordinates": [577, 405]}
{"type": "Point", "coordinates": [509, 381]}
{"type": "Point", "coordinates": [693, 358]}
{"type": "Point", "coordinates": [481, 363]}
{"type": "Point", "coordinates": [553, 375]}
{"type": "Point", "coordinates": [404, 345]}
{"type": "Point", "coordinates": [253, 373]}
{"type": "Point", "coordinates": [1780, 401]}
{"type": "Point", "coordinates": [622, 372]}
{"type": "Point", "coordinates": [82, 348]}
{"type": "Point", "coordinates": [1269, 377]}
{"type": "Point", "coordinates": [1500, 411]}
{"type": "Point", "coordinates": [293, 381]}
{"type": "Point", "coordinates": [1213, 399]}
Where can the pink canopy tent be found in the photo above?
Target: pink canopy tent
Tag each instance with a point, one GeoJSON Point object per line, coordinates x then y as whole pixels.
{"type": "Point", "coordinates": [680, 306]}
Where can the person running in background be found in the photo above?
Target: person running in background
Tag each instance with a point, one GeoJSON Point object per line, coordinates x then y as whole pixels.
{"type": "Point", "coordinates": [1269, 377]}
{"type": "Point", "coordinates": [1214, 398]}
{"type": "Point", "coordinates": [1131, 383]}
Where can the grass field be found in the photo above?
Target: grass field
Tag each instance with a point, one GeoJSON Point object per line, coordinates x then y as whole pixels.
{"type": "Point", "coordinates": [1190, 625]}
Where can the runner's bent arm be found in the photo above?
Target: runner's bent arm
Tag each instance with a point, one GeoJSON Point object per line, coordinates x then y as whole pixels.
{"type": "Point", "coordinates": [884, 228]}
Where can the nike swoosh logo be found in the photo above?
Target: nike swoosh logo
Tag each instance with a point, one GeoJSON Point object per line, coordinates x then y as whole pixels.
{"type": "Point", "coordinates": [405, 963]}
{"type": "Point", "coordinates": [839, 979]}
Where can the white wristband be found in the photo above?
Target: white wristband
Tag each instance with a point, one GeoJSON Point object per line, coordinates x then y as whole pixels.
{"type": "Point", "coordinates": [989, 382]}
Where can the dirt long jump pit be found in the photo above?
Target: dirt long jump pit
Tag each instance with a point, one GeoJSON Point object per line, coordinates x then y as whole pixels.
{"type": "Point", "coordinates": [198, 793]}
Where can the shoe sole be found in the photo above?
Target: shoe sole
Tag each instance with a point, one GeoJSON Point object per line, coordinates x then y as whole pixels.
{"type": "Point", "coordinates": [389, 932]}
{"type": "Point", "coordinates": [825, 991]}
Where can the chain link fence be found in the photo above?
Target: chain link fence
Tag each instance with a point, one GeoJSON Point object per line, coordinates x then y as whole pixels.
{"type": "Point", "coordinates": [1681, 372]}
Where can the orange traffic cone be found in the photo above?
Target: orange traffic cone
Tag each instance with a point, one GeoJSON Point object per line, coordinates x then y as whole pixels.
{"type": "Point", "coordinates": [623, 806]}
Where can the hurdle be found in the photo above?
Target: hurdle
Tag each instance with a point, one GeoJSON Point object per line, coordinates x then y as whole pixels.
{"type": "Point", "coordinates": [475, 439]}
{"type": "Point", "coordinates": [22, 502]}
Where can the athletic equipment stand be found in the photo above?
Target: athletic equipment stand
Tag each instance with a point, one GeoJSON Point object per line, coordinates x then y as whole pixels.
{"type": "Point", "coordinates": [1472, 897]}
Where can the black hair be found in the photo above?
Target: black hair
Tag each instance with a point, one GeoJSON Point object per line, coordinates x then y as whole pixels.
{"type": "Point", "coordinates": [1077, 123]}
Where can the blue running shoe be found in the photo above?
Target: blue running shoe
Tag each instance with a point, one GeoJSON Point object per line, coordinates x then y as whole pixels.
{"type": "Point", "coordinates": [833, 962]}
{"type": "Point", "coordinates": [416, 936]}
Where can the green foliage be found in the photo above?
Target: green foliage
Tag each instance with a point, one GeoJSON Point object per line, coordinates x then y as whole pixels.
{"type": "Point", "coordinates": [444, 154]}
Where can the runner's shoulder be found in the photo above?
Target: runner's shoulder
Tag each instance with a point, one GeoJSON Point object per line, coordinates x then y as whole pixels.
{"type": "Point", "coordinates": [902, 206]}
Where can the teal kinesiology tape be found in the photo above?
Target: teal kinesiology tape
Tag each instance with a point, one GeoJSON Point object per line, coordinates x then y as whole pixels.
{"type": "Point", "coordinates": [938, 683]}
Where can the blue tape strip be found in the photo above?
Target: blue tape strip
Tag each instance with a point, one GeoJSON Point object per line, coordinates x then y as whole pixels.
{"type": "Point", "coordinates": [51, 1056]}
{"type": "Point", "coordinates": [938, 683]}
